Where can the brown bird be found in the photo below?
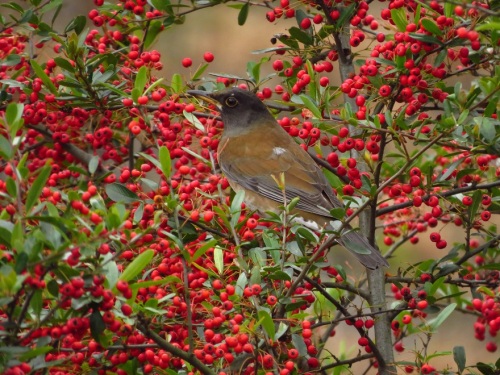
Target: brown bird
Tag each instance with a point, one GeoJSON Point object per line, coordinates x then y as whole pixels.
{"type": "Point", "coordinates": [255, 154]}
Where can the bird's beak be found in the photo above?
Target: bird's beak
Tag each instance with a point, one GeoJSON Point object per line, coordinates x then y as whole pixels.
{"type": "Point", "coordinates": [206, 96]}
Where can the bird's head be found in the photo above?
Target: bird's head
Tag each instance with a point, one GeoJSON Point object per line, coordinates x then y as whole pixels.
{"type": "Point", "coordinates": [240, 109]}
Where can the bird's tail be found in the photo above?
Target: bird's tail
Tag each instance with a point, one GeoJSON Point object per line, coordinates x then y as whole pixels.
{"type": "Point", "coordinates": [362, 250]}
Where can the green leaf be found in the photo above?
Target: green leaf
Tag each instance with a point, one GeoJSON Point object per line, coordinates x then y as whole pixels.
{"type": "Point", "coordinates": [459, 357]}
{"type": "Point", "coordinates": [77, 24]}
{"type": "Point", "coordinates": [236, 207]}
{"type": "Point", "coordinates": [194, 120]}
{"type": "Point", "coordinates": [120, 193]}
{"type": "Point", "coordinates": [165, 161]}
{"type": "Point", "coordinates": [162, 5]}
{"type": "Point", "coordinates": [13, 115]}
{"type": "Point", "coordinates": [432, 288]}
{"type": "Point", "coordinates": [137, 265]}
{"type": "Point", "coordinates": [64, 64]}
{"type": "Point", "coordinates": [443, 315]}
{"type": "Point", "coordinates": [299, 344]}
{"type": "Point", "coordinates": [33, 353]}
{"type": "Point", "coordinates": [6, 228]}
{"type": "Point", "coordinates": [44, 77]}
{"type": "Point", "coordinates": [338, 213]}
{"type": "Point", "coordinates": [487, 128]}
{"type": "Point", "coordinates": [141, 79]}
{"type": "Point", "coordinates": [476, 201]}
{"type": "Point", "coordinates": [451, 168]}
{"type": "Point", "coordinates": [426, 38]}
{"type": "Point", "coordinates": [219, 259]}
{"type": "Point", "coordinates": [488, 26]}
{"type": "Point", "coordinates": [154, 30]}
{"type": "Point", "coordinates": [241, 284]}
{"type": "Point", "coordinates": [199, 72]}
{"type": "Point", "coordinates": [307, 234]}
{"type": "Point", "coordinates": [300, 35]}
{"type": "Point", "coordinates": [176, 83]}
{"type": "Point", "coordinates": [11, 60]}
{"type": "Point", "coordinates": [346, 14]}
{"type": "Point", "coordinates": [203, 249]}
{"type": "Point", "coordinates": [398, 15]}
{"type": "Point", "coordinates": [243, 14]}
{"type": "Point", "coordinates": [97, 325]}
{"type": "Point", "coordinates": [267, 323]}
{"type": "Point", "coordinates": [6, 150]}
{"type": "Point", "coordinates": [311, 106]}
{"type": "Point", "coordinates": [36, 189]}
{"type": "Point", "coordinates": [431, 27]}
{"type": "Point", "coordinates": [486, 369]}
{"type": "Point", "coordinates": [93, 164]}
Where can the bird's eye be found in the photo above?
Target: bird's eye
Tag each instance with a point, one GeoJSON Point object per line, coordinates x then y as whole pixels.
{"type": "Point", "coordinates": [231, 101]}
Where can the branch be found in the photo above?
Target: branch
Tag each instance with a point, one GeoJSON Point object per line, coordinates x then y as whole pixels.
{"type": "Point", "coordinates": [142, 325]}
{"type": "Point", "coordinates": [445, 194]}
{"type": "Point", "coordinates": [343, 310]}
{"type": "Point", "coordinates": [348, 362]}
{"type": "Point", "coordinates": [78, 153]}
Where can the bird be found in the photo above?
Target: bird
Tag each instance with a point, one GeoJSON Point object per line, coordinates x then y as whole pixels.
{"type": "Point", "coordinates": [257, 155]}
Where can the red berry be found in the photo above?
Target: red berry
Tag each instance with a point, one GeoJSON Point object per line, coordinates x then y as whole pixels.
{"type": "Point", "coordinates": [187, 62]}
{"type": "Point", "coordinates": [305, 23]}
{"type": "Point", "coordinates": [208, 57]}
{"type": "Point", "coordinates": [385, 90]}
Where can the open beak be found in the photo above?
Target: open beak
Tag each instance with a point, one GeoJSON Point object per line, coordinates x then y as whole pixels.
{"type": "Point", "coordinates": [206, 96]}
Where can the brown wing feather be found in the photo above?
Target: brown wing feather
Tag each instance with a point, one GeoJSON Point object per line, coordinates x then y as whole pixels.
{"type": "Point", "coordinates": [253, 168]}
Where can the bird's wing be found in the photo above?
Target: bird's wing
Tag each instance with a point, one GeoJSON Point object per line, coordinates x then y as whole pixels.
{"type": "Point", "coordinates": [260, 169]}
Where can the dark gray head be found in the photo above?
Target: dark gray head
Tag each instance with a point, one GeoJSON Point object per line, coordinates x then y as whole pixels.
{"type": "Point", "coordinates": [239, 108]}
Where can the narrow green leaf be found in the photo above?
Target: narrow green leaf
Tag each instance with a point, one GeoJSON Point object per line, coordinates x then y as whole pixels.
{"type": "Point", "coordinates": [137, 265]}
{"type": "Point", "coordinates": [431, 27]}
{"type": "Point", "coordinates": [176, 83]}
{"type": "Point", "coordinates": [243, 14]}
{"type": "Point", "coordinates": [154, 30]}
{"type": "Point", "coordinates": [11, 60]}
{"type": "Point", "coordinates": [14, 113]}
{"type": "Point", "coordinates": [300, 36]}
{"type": "Point", "coordinates": [199, 72]}
{"type": "Point", "coordinates": [443, 315]}
{"type": "Point", "coordinates": [311, 106]}
{"type": "Point", "coordinates": [459, 357]}
{"type": "Point", "coordinates": [425, 38]}
{"type": "Point", "coordinates": [203, 249]}
{"type": "Point", "coordinates": [398, 15]}
{"type": "Point", "coordinates": [267, 323]}
{"type": "Point", "coordinates": [241, 284]}
{"type": "Point", "coordinates": [162, 5]}
{"type": "Point", "coordinates": [194, 120]}
{"type": "Point", "coordinates": [36, 189]}
{"type": "Point", "coordinates": [141, 79]}
{"type": "Point", "coordinates": [346, 13]}
{"type": "Point", "coordinates": [97, 325]}
{"type": "Point", "coordinates": [165, 161]}
{"type": "Point", "coordinates": [77, 24]}
{"type": "Point", "coordinates": [476, 201]}
{"type": "Point", "coordinates": [236, 207]}
{"type": "Point", "coordinates": [299, 344]}
{"type": "Point", "coordinates": [338, 213]}
{"type": "Point", "coordinates": [451, 168]}
{"type": "Point", "coordinates": [120, 193]}
{"type": "Point", "coordinates": [219, 259]}
{"type": "Point", "coordinates": [93, 164]}
{"type": "Point", "coordinates": [64, 64]}
{"type": "Point", "coordinates": [6, 150]}
{"type": "Point", "coordinates": [307, 234]}
{"type": "Point", "coordinates": [488, 26]}
{"type": "Point", "coordinates": [44, 77]}
{"type": "Point", "coordinates": [35, 352]}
